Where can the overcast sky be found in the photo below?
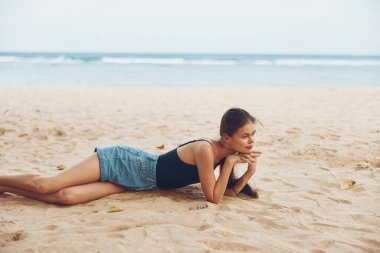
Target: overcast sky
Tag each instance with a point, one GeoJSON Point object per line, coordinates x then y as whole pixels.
{"type": "Point", "coordinates": [192, 26]}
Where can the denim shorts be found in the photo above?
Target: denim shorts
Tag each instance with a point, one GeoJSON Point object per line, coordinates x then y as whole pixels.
{"type": "Point", "coordinates": [129, 167]}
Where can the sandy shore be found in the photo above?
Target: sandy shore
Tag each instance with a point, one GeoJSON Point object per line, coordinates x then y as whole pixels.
{"type": "Point", "coordinates": [312, 140]}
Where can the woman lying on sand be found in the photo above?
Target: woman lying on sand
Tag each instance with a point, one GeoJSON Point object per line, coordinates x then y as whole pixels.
{"type": "Point", "coordinates": [118, 168]}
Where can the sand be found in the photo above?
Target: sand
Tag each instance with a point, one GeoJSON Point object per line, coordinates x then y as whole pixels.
{"type": "Point", "coordinates": [312, 139]}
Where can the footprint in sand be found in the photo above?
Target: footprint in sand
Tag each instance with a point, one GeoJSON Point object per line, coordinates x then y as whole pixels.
{"type": "Point", "coordinates": [204, 227]}
{"type": "Point", "coordinates": [287, 184]}
{"type": "Point", "coordinates": [41, 137]}
{"type": "Point", "coordinates": [370, 242]}
{"type": "Point", "coordinates": [294, 130]}
{"type": "Point", "coordinates": [51, 227]}
{"type": "Point", "coordinates": [199, 206]}
{"type": "Point", "coordinates": [57, 132]}
{"type": "Point", "coordinates": [119, 228]}
{"type": "Point", "coordinates": [5, 222]}
{"type": "Point", "coordinates": [34, 161]}
{"type": "Point", "coordinates": [16, 236]}
{"type": "Point", "coordinates": [227, 246]}
{"type": "Point", "coordinates": [117, 235]}
{"type": "Point", "coordinates": [375, 162]}
{"type": "Point", "coordinates": [333, 137]}
{"type": "Point", "coordinates": [361, 166]}
{"type": "Point", "coordinates": [270, 224]}
{"type": "Point", "coordinates": [224, 233]}
{"type": "Point", "coordinates": [296, 209]}
{"type": "Point", "coordinates": [340, 201]}
{"type": "Point", "coordinates": [324, 168]}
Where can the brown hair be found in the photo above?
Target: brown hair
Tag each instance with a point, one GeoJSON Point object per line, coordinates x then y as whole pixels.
{"type": "Point", "coordinates": [232, 120]}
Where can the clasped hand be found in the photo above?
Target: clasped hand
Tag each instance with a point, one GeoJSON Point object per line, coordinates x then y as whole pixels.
{"type": "Point", "coordinates": [250, 158]}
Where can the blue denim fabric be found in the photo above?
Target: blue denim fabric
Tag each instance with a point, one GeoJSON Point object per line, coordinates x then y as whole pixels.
{"type": "Point", "coordinates": [129, 167]}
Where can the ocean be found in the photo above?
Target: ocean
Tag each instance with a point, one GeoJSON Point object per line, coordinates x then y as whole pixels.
{"type": "Point", "coordinates": [186, 70]}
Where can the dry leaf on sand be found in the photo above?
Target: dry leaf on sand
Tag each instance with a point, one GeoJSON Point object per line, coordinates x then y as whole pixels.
{"type": "Point", "coordinates": [61, 167]}
{"type": "Point", "coordinates": [346, 184]}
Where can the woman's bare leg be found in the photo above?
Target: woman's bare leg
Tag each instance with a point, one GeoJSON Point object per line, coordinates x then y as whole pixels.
{"type": "Point", "coordinates": [87, 171]}
{"type": "Point", "coordinates": [71, 195]}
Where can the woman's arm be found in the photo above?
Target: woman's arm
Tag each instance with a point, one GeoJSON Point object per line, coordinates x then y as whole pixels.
{"type": "Point", "coordinates": [213, 189]}
{"type": "Point", "coordinates": [242, 181]}
{"type": "Point", "coordinates": [221, 183]}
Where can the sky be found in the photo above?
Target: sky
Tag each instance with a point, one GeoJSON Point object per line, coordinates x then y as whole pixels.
{"type": "Point", "coordinates": [339, 27]}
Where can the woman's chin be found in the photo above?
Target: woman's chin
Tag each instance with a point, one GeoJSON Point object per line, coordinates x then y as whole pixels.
{"type": "Point", "coordinates": [245, 151]}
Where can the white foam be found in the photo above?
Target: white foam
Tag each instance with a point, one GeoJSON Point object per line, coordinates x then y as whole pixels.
{"type": "Point", "coordinates": [8, 59]}
{"type": "Point", "coordinates": [121, 60]}
{"type": "Point", "coordinates": [202, 60]}
{"type": "Point", "coordinates": [39, 60]}
{"type": "Point", "coordinates": [325, 62]}
{"type": "Point", "coordinates": [170, 61]}
{"type": "Point", "coordinates": [55, 60]}
{"type": "Point", "coordinates": [263, 62]}
{"type": "Point", "coordinates": [211, 62]}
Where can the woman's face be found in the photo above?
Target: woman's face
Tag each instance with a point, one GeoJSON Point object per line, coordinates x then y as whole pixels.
{"type": "Point", "coordinates": [243, 139]}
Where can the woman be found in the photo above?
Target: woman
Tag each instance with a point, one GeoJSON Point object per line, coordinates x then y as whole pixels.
{"type": "Point", "coordinates": [118, 168]}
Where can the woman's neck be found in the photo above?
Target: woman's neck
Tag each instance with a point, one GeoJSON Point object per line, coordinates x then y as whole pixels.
{"type": "Point", "coordinates": [221, 150]}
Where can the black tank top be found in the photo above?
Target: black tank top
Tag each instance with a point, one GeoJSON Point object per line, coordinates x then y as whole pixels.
{"type": "Point", "coordinates": [172, 172]}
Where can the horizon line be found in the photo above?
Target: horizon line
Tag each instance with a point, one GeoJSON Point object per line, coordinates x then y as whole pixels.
{"type": "Point", "coordinates": [188, 53]}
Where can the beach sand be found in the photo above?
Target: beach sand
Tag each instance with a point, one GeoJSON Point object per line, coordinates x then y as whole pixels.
{"type": "Point", "coordinates": [312, 139]}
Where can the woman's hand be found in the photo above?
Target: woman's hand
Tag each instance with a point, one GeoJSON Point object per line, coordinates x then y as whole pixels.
{"type": "Point", "coordinates": [236, 158]}
{"type": "Point", "coordinates": [251, 168]}
{"type": "Point", "coordinates": [249, 158]}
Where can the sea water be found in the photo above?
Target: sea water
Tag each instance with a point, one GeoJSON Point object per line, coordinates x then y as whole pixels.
{"type": "Point", "coordinates": [186, 70]}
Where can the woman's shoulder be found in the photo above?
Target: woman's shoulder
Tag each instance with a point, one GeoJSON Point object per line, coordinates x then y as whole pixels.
{"type": "Point", "coordinates": [198, 141]}
{"type": "Point", "coordinates": [195, 151]}
{"type": "Point", "coordinates": [203, 144]}
{"type": "Point", "coordinates": [204, 148]}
